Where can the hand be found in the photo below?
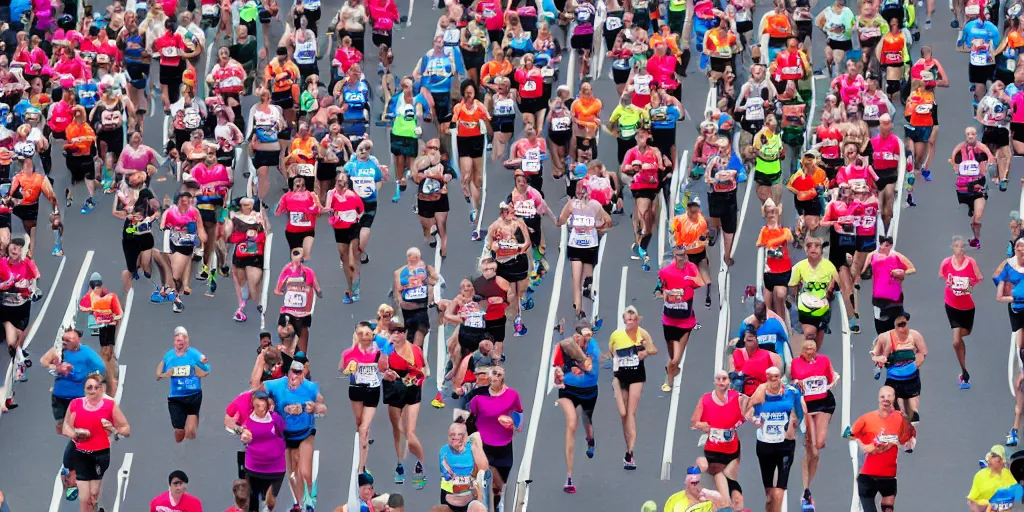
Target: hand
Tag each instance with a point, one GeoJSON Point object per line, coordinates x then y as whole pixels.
{"type": "Point", "coordinates": [107, 425]}
{"type": "Point", "coordinates": [506, 421]}
{"type": "Point", "coordinates": [246, 436]}
{"type": "Point", "coordinates": [82, 434]}
{"type": "Point", "coordinates": [418, 131]}
{"type": "Point", "coordinates": [319, 409]}
{"type": "Point", "coordinates": [293, 409]}
{"type": "Point", "coordinates": [204, 360]}
{"type": "Point", "coordinates": [64, 368]}
{"type": "Point", "coordinates": [310, 406]}
{"type": "Point", "coordinates": [319, 294]}
{"type": "Point", "coordinates": [577, 371]}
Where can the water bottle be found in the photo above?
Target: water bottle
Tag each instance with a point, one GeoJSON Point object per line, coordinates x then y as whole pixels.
{"type": "Point", "coordinates": [878, 372]}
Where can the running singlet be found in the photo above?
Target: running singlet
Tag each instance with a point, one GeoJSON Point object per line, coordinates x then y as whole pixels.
{"type": "Point", "coordinates": [184, 381]}
{"type": "Point", "coordinates": [355, 97]}
{"type": "Point", "coordinates": [883, 285]}
{"type": "Point", "coordinates": [754, 368]}
{"type": "Point", "coordinates": [722, 421]}
{"type": "Point", "coordinates": [183, 227]}
{"type": "Point", "coordinates": [297, 284]}
{"type": "Point", "coordinates": [816, 376]}
{"type": "Point", "coordinates": [366, 370]}
{"type": "Point", "coordinates": [469, 120]}
{"type": "Point", "coordinates": [30, 184]}
{"type": "Point", "coordinates": [646, 166]}
{"type": "Point", "coordinates": [83, 361]}
{"type": "Point", "coordinates": [774, 241]}
{"type": "Point", "coordinates": [305, 51]}
{"type": "Point", "coordinates": [249, 237]}
{"type": "Point", "coordinates": [93, 422]}
{"type": "Point", "coordinates": [626, 363]}
{"type": "Point", "coordinates": [677, 286]}
{"type": "Point", "coordinates": [413, 284]}
{"type": "Point", "coordinates": [302, 211]}
{"type": "Point", "coordinates": [885, 152]}
{"type": "Point", "coordinates": [600, 188]}
{"type": "Point", "coordinates": [265, 125]}
{"type": "Point", "coordinates": [347, 208]}
{"type": "Point", "coordinates": [776, 414]}
{"type": "Point", "coordinates": [1016, 280]}
{"type": "Point", "coordinates": [816, 280]}
{"type": "Point", "coordinates": [457, 469]}
{"type": "Point", "coordinates": [959, 283]}
{"type": "Point", "coordinates": [583, 224]}
{"type": "Point", "coordinates": [437, 73]}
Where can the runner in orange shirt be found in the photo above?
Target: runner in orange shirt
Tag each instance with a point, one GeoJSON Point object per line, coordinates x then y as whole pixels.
{"type": "Point", "coordinates": [471, 122]}
{"type": "Point", "coordinates": [690, 232]}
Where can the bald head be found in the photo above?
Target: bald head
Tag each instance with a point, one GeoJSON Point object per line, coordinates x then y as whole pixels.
{"type": "Point", "coordinates": [476, 506]}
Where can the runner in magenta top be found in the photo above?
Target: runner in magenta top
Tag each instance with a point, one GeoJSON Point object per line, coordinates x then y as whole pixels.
{"type": "Point", "coordinates": [239, 409]}
{"type": "Point", "coordinates": [961, 274]}
{"type": "Point", "coordinates": [263, 434]}
{"type": "Point", "coordinates": [302, 207]}
{"type": "Point", "coordinates": [677, 283]}
{"type": "Point", "coordinates": [297, 283]}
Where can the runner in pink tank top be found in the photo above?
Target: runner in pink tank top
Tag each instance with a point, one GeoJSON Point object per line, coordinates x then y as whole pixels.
{"type": "Point", "coordinates": [961, 273]}
{"type": "Point", "coordinates": [889, 268]}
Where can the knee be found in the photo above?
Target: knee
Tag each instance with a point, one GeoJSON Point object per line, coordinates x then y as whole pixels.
{"type": "Point", "coordinates": [819, 445]}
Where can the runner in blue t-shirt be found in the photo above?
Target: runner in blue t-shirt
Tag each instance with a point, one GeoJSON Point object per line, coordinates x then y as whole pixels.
{"type": "Point", "coordinates": [299, 402]}
{"type": "Point", "coordinates": [184, 366]}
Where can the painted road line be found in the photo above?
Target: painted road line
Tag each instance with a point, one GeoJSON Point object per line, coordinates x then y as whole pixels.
{"type": "Point", "coordinates": [121, 369]}
{"type": "Point", "coordinates": [58, 494]}
{"type": "Point", "coordinates": [408, 22]}
{"type": "Point", "coordinates": [679, 182]}
{"type": "Point", "coordinates": [619, 324]}
{"type": "Point", "coordinates": [122, 326]}
{"type": "Point", "coordinates": [76, 293]}
{"type": "Point", "coordinates": [353, 481]}
{"type": "Point", "coordinates": [442, 341]}
{"type": "Point", "coordinates": [46, 303]}
{"type": "Point", "coordinates": [595, 304]}
{"type": "Point", "coordinates": [522, 494]}
{"type": "Point", "coordinates": [123, 476]}
{"type": "Point", "coordinates": [847, 394]}
{"type": "Point", "coordinates": [266, 280]}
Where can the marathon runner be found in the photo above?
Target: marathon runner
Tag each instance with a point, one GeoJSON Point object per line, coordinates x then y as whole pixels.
{"type": "Point", "coordinates": [297, 284]}
{"type": "Point", "coordinates": [498, 413]}
{"type": "Point", "coordinates": [184, 366]}
{"type": "Point", "coordinates": [577, 384]}
{"type": "Point", "coordinates": [299, 402]}
{"type": "Point", "coordinates": [89, 423]}
{"type": "Point", "coordinates": [587, 221]}
{"type": "Point", "coordinates": [902, 352]}
{"type": "Point", "coordinates": [362, 364]}
{"type": "Point", "coordinates": [403, 373]}
{"type": "Point", "coordinates": [413, 291]}
{"type": "Point", "coordinates": [879, 434]}
{"type": "Point", "coordinates": [262, 432]}
{"type": "Point", "coordinates": [718, 414]}
{"type": "Point", "coordinates": [176, 496]}
{"type": "Point", "coordinates": [677, 283]}
{"type": "Point", "coordinates": [961, 274]}
{"type": "Point", "coordinates": [247, 229]}
{"type": "Point", "coordinates": [889, 269]}
{"type": "Point", "coordinates": [105, 313]}
{"type": "Point", "coordinates": [813, 374]}
{"type": "Point", "coordinates": [775, 409]}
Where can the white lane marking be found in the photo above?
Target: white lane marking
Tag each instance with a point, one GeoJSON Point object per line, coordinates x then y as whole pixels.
{"type": "Point", "coordinates": [121, 369]}
{"type": "Point", "coordinates": [76, 293]}
{"type": "Point", "coordinates": [408, 22]}
{"type": "Point", "coordinates": [483, 189]}
{"type": "Point", "coordinates": [266, 280]}
{"type": "Point", "coordinates": [595, 305]}
{"type": "Point", "coordinates": [123, 476]}
{"type": "Point", "coordinates": [167, 241]}
{"type": "Point", "coordinates": [847, 393]}
{"type": "Point", "coordinates": [58, 494]}
{"type": "Point", "coordinates": [598, 42]}
{"type": "Point", "coordinates": [522, 494]}
{"type": "Point", "coordinates": [353, 481]}
{"type": "Point", "coordinates": [622, 298]}
{"type": "Point", "coordinates": [678, 183]}
{"type": "Point", "coordinates": [442, 342]}
{"type": "Point", "coordinates": [46, 303]}
{"type": "Point", "coordinates": [122, 326]}
{"type": "Point", "coordinates": [570, 75]}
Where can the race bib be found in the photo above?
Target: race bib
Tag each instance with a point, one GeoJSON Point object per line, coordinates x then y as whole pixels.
{"type": "Point", "coordinates": [503, 108]}
{"type": "Point", "coordinates": [299, 219]}
{"type": "Point", "coordinates": [347, 216]}
{"type": "Point", "coordinates": [231, 82]}
{"type": "Point", "coordinates": [181, 371]}
{"type": "Point", "coordinates": [960, 285]}
{"type": "Point", "coordinates": [612, 23]}
{"type": "Point", "coordinates": [169, 51]}
{"type": "Point", "coordinates": [972, 10]}
{"type": "Point", "coordinates": [969, 168]}
{"type": "Point", "coordinates": [721, 435]}
{"type": "Point", "coordinates": [364, 186]}
{"type": "Point", "coordinates": [924, 108]}
{"type": "Point", "coordinates": [305, 170]}
{"type": "Point", "coordinates": [295, 299]}
{"type": "Point", "coordinates": [815, 385]}
{"type": "Point", "coordinates": [630, 361]}
{"type": "Point", "coordinates": [560, 124]}
{"type": "Point", "coordinates": [530, 86]}
{"type": "Point", "coordinates": [870, 112]}
{"type": "Point", "coordinates": [415, 293]}
{"type": "Point", "coordinates": [812, 302]}
{"type": "Point", "coordinates": [531, 165]}
{"type": "Point", "coordinates": [870, 33]}
{"type": "Point", "coordinates": [210, 10]}
{"type": "Point", "coordinates": [754, 111]}
{"type": "Point", "coordinates": [191, 119]}
{"type": "Point", "coordinates": [526, 208]}
{"type": "Point", "coordinates": [772, 431]}
{"type": "Point", "coordinates": [979, 58]}
{"type": "Point", "coordinates": [367, 375]}
{"type": "Point", "coordinates": [893, 57]}
{"type": "Point", "coordinates": [474, 320]}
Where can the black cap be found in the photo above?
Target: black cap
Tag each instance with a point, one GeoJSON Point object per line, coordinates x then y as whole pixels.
{"type": "Point", "coordinates": [365, 479]}
{"type": "Point", "coordinates": [179, 474]}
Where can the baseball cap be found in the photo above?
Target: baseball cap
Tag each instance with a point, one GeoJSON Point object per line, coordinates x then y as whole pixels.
{"type": "Point", "coordinates": [365, 479]}
{"type": "Point", "coordinates": [997, 450]}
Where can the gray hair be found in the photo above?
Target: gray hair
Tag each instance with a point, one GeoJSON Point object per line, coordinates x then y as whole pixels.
{"type": "Point", "coordinates": [181, 331]}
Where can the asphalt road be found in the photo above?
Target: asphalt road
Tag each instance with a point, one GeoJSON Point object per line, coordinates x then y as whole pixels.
{"type": "Point", "coordinates": [929, 478]}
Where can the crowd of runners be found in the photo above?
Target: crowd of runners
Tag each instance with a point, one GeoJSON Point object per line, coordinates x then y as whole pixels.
{"type": "Point", "coordinates": [79, 79]}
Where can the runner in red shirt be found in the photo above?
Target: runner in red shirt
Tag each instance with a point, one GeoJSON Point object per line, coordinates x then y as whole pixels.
{"type": "Point", "coordinates": [879, 435]}
{"type": "Point", "coordinates": [176, 499]}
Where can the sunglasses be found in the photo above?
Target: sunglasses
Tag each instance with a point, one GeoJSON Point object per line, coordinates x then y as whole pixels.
{"type": "Point", "coordinates": [296, 254]}
{"type": "Point", "coordinates": [92, 388]}
{"type": "Point", "coordinates": [901, 324]}
{"type": "Point", "coordinates": [297, 372]}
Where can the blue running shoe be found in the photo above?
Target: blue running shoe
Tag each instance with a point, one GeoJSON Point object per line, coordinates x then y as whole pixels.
{"type": "Point", "coordinates": [156, 297]}
{"type": "Point", "coordinates": [399, 474]}
{"type": "Point", "coordinates": [591, 444]}
{"type": "Point", "coordinates": [398, 194]}
{"type": "Point", "coordinates": [963, 382]}
{"type": "Point", "coordinates": [1011, 438]}
{"type": "Point", "coordinates": [347, 299]}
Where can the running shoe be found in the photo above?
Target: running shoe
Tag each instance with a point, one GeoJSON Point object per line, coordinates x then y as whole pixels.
{"type": "Point", "coordinates": [70, 493]}
{"type": "Point", "coordinates": [569, 488]}
{"type": "Point", "coordinates": [1011, 438]}
{"type": "Point", "coordinates": [204, 274]}
{"type": "Point", "coordinates": [225, 271]}
{"type": "Point", "coordinates": [591, 444]}
{"type": "Point", "coordinates": [963, 380]}
{"type": "Point", "coordinates": [854, 328]}
{"type": "Point", "coordinates": [240, 316]}
{"type": "Point", "coordinates": [399, 474]}
{"type": "Point", "coordinates": [1003, 185]}
{"type": "Point", "coordinates": [926, 174]}
{"type": "Point", "coordinates": [666, 388]}
{"type": "Point", "coordinates": [628, 463]}
{"type": "Point", "coordinates": [295, 508]}
{"type": "Point", "coordinates": [807, 502]}
{"type": "Point", "coordinates": [618, 210]}
{"type": "Point", "coordinates": [347, 299]}
{"type": "Point", "coordinates": [177, 306]}
{"type": "Point", "coordinates": [646, 266]}
{"type": "Point", "coordinates": [67, 198]}
{"type": "Point", "coordinates": [928, 24]}
{"type": "Point", "coordinates": [57, 250]}
{"type": "Point", "coordinates": [527, 304]}
{"type": "Point", "coordinates": [88, 206]}
{"type": "Point", "coordinates": [398, 194]}
{"type": "Point", "coordinates": [472, 215]}
{"type": "Point", "coordinates": [636, 252]}
{"type": "Point", "coordinates": [419, 478]}
{"type": "Point", "coordinates": [364, 258]}
{"type": "Point", "coordinates": [438, 401]}
{"type": "Point", "coordinates": [20, 375]}
{"type": "Point", "coordinates": [955, 23]}
{"type": "Point", "coordinates": [475, 236]}
{"type": "Point", "coordinates": [707, 300]}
